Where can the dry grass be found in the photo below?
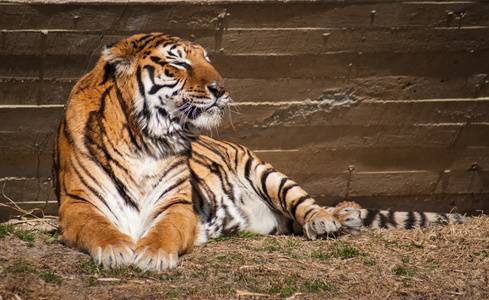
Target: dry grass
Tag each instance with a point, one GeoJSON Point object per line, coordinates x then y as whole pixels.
{"type": "Point", "coordinates": [444, 262]}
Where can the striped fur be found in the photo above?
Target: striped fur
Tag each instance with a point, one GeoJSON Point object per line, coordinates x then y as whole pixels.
{"type": "Point", "coordinates": [136, 183]}
{"type": "Point", "coordinates": [406, 220]}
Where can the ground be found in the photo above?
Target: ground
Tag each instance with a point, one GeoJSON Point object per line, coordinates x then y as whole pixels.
{"type": "Point", "coordinates": [442, 262]}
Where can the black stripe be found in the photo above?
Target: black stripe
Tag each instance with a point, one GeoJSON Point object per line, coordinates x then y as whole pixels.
{"type": "Point", "coordinates": [209, 198]}
{"type": "Point", "coordinates": [409, 224]}
{"type": "Point", "coordinates": [158, 60]}
{"type": "Point", "coordinates": [285, 191]}
{"type": "Point", "coordinates": [121, 188]}
{"type": "Point", "coordinates": [392, 220]}
{"type": "Point", "coordinates": [423, 219]}
{"type": "Point", "coordinates": [145, 40]}
{"type": "Point", "coordinates": [92, 189]}
{"type": "Point", "coordinates": [369, 219]}
{"type": "Point", "coordinates": [312, 208]}
{"type": "Point", "coordinates": [213, 149]}
{"type": "Point", "coordinates": [86, 200]}
{"type": "Point", "coordinates": [158, 87]}
{"type": "Point", "coordinates": [172, 167]}
{"type": "Point", "coordinates": [169, 74]}
{"type": "Point", "coordinates": [77, 197]}
{"type": "Point", "coordinates": [180, 182]}
{"type": "Point", "coordinates": [251, 182]}
{"type": "Point", "coordinates": [248, 168]}
{"type": "Point", "coordinates": [293, 209]}
{"type": "Point", "coordinates": [383, 220]}
{"type": "Point", "coordinates": [283, 199]}
{"type": "Point", "coordinates": [108, 72]}
{"type": "Point", "coordinates": [131, 137]}
{"type": "Point", "coordinates": [140, 83]}
{"type": "Point", "coordinates": [166, 207]}
{"type": "Point", "coordinates": [181, 64]}
{"type": "Point", "coordinates": [264, 177]}
{"type": "Point", "coordinates": [217, 168]}
{"type": "Point", "coordinates": [279, 191]}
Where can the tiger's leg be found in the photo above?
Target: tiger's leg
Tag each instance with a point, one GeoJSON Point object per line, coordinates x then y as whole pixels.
{"type": "Point", "coordinates": [286, 197]}
{"type": "Point", "coordinates": [173, 233]}
{"type": "Point", "coordinates": [83, 227]}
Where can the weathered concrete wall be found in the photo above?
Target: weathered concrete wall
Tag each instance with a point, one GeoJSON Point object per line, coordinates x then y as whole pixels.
{"type": "Point", "coordinates": [384, 102]}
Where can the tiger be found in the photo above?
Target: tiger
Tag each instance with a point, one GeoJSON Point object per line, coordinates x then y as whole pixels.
{"type": "Point", "coordinates": [139, 185]}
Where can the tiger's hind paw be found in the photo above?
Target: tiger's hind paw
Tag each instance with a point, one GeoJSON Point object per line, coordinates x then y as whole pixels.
{"type": "Point", "coordinates": [114, 256]}
{"type": "Point", "coordinates": [332, 220]}
{"type": "Point", "coordinates": [154, 260]}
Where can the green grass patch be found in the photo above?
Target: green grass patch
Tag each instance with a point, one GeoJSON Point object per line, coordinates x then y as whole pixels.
{"type": "Point", "coordinates": [5, 230]}
{"type": "Point", "coordinates": [170, 276]}
{"type": "Point", "coordinates": [22, 267]}
{"type": "Point", "coordinates": [369, 262]}
{"type": "Point", "coordinates": [25, 235]}
{"type": "Point", "coordinates": [92, 281]}
{"type": "Point", "coordinates": [402, 270]}
{"type": "Point", "coordinates": [293, 243]}
{"type": "Point", "coordinates": [287, 292]}
{"type": "Point", "coordinates": [272, 245]}
{"type": "Point", "coordinates": [50, 237]}
{"type": "Point", "coordinates": [317, 286]}
{"type": "Point", "coordinates": [344, 251]}
{"type": "Point", "coordinates": [26, 267]}
{"type": "Point", "coordinates": [51, 277]}
{"type": "Point", "coordinates": [321, 256]}
{"type": "Point", "coordinates": [89, 267]}
{"type": "Point", "coordinates": [483, 253]}
{"type": "Point", "coordinates": [246, 235]}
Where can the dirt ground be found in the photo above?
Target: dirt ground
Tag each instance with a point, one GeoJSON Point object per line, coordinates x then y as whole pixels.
{"type": "Point", "coordinates": [443, 262]}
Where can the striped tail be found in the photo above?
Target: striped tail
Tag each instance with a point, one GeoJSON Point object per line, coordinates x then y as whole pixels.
{"type": "Point", "coordinates": [402, 219]}
{"type": "Point", "coordinates": [407, 220]}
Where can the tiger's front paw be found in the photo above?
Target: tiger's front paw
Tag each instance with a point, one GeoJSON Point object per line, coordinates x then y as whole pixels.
{"type": "Point", "coordinates": [154, 258]}
{"type": "Point", "coordinates": [349, 218]}
{"type": "Point", "coordinates": [114, 255]}
{"type": "Point", "coordinates": [332, 220]}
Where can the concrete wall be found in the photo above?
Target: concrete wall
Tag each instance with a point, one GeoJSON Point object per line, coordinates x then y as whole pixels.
{"type": "Point", "coordinates": [383, 102]}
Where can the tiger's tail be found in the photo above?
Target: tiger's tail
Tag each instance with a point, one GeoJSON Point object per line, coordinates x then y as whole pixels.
{"type": "Point", "coordinates": [402, 219]}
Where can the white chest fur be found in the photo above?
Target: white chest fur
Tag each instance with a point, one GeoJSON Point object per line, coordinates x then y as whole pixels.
{"type": "Point", "coordinates": [145, 182]}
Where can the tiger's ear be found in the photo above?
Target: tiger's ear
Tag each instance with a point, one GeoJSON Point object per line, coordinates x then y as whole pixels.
{"type": "Point", "coordinates": [122, 55]}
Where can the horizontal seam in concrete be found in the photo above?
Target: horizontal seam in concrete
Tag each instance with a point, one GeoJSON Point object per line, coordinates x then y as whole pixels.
{"type": "Point", "coordinates": [34, 202]}
{"type": "Point", "coordinates": [390, 172]}
{"type": "Point", "coordinates": [17, 178]}
{"type": "Point", "coordinates": [32, 106]}
{"type": "Point", "coordinates": [220, 2]}
{"type": "Point", "coordinates": [276, 150]}
{"type": "Point", "coordinates": [481, 99]}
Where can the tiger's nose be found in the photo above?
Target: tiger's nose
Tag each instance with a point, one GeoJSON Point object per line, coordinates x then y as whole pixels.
{"type": "Point", "coordinates": [216, 88]}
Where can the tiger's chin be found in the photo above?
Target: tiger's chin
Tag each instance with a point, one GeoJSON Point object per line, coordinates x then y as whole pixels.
{"type": "Point", "coordinates": [209, 119]}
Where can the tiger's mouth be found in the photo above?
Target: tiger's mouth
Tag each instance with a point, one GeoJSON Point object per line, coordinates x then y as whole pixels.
{"type": "Point", "coordinates": [193, 111]}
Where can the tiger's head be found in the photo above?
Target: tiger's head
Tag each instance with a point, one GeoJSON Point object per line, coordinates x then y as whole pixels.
{"type": "Point", "coordinates": [172, 83]}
